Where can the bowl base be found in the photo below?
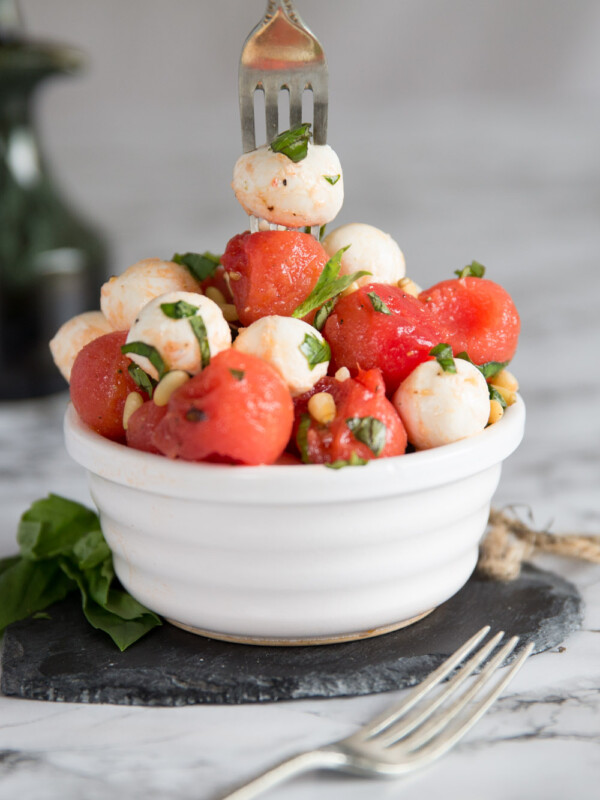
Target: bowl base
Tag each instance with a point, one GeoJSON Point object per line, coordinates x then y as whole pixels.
{"type": "Point", "coordinates": [285, 641]}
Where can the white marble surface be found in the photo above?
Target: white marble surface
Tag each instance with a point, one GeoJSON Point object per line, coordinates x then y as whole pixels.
{"type": "Point", "coordinates": [512, 184]}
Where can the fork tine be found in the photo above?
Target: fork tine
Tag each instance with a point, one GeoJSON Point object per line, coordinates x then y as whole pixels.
{"type": "Point", "coordinates": [404, 726]}
{"type": "Point", "coordinates": [428, 730]}
{"type": "Point", "coordinates": [296, 90]}
{"type": "Point", "coordinates": [391, 715]}
{"type": "Point", "coordinates": [438, 747]}
{"type": "Point", "coordinates": [319, 114]}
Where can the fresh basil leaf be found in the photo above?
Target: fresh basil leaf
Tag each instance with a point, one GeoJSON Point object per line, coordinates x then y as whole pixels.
{"type": "Point", "coordinates": [328, 286]}
{"type": "Point", "coordinates": [293, 143]}
{"type": "Point", "coordinates": [443, 355]}
{"type": "Point", "coordinates": [143, 380]}
{"type": "Point", "coordinates": [238, 374]}
{"type": "Point", "coordinates": [178, 310]}
{"type": "Point", "coordinates": [7, 563]}
{"type": "Point", "coordinates": [199, 328]}
{"type": "Point", "coordinates": [123, 628]}
{"type": "Point", "coordinates": [91, 550]}
{"type": "Point", "coordinates": [201, 265]}
{"type": "Point", "coordinates": [315, 350]}
{"type": "Point", "coordinates": [472, 270]}
{"type": "Point", "coordinates": [302, 438]}
{"type": "Point", "coordinates": [488, 369]}
{"type": "Point", "coordinates": [52, 526]}
{"type": "Point", "coordinates": [491, 368]}
{"type": "Point", "coordinates": [149, 352]}
{"type": "Point", "coordinates": [370, 431]}
{"type": "Point", "coordinates": [378, 303]}
{"type": "Point", "coordinates": [29, 586]}
{"type": "Point", "coordinates": [323, 313]}
{"type": "Point", "coordinates": [332, 179]}
{"type": "Point", "coordinates": [353, 461]}
{"type": "Point", "coordinates": [495, 395]}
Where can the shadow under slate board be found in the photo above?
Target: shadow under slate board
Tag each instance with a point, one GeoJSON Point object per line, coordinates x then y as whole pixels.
{"type": "Point", "coordinates": [64, 659]}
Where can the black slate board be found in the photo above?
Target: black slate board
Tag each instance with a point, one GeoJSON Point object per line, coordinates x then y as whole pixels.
{"type": "Point", "coordinates": [64, 659]}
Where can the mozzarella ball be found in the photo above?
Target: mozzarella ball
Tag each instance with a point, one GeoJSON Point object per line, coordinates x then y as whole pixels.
{"type": "Point", "coordinates": [370, 249]}
{"type": "Point", "coordinates": [175, 339]}
{"type": "Point", "coordinates": [123, 297]}
{"type": "Point", "coordinates": [74, 335]}
{"type": "Point", "coordinates": [440, 407]}
{"type": "Point", "coordinates": [271, 186]}
{"type": "Point", "coordinates": [283, 342]}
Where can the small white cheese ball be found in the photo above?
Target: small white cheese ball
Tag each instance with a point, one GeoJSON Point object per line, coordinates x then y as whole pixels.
{"type": "Point", "coordinates": [283, 342]}
{"type": "Point", "coordinates": [370, 249]}
{"type": "Point", "coordinates": [175, 339]}
{"type": "Point", "coordinates": [271, 186]}
{"type": "Point", "coordinates": [71, 337]}
{"type": "Point", "coordinates": [123, 296]}
{"type": "Point", "coordinates": [440, 407]}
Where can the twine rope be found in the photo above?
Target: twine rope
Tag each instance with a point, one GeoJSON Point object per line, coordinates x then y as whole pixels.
{"type": "Point", "coordinates": [510, 542]}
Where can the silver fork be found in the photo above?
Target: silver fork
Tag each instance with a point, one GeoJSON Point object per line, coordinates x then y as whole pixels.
{"type": "Point", "coordinates": [398, 742]}
{"type": "Point", "coordinates": [281, 53]}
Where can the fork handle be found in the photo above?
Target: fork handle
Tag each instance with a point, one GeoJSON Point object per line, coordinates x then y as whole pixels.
{"type": "Point", "coordinates": [303, 762]}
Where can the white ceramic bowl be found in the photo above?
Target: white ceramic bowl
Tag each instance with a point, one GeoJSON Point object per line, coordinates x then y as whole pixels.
{"type": "Point", "coordinates": [295, 554]}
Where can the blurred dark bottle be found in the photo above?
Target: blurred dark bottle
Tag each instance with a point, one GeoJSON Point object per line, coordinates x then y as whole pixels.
{"type": "Point", "coordinates": [52, 263]}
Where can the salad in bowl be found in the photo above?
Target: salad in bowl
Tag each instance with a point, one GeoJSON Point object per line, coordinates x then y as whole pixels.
{"type": "Point", "coordinates": [292, 442]}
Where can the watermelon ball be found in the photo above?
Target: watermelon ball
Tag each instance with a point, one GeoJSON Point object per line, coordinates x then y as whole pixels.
{"type": "Point", "coordinates": [272, 272]}
{"type": "Point", "coordinates": [141, 425]}
{"type": "Point", "coordinates": [476, 316]}
{"type": "Point", "coordinates": [342, 420]}
{"type": "Point", "coordinates": [383, 327]}
{"type": "Point", "coordinates": [100, 384]}
{"type": "Point", "coordinates": [236, 410]}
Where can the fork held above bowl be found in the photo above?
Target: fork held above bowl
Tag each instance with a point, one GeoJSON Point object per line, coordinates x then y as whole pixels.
{"type": "Point", "coordinates": [281, 53]}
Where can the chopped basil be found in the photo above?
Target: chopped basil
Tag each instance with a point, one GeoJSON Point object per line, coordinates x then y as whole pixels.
{"type": "Point", "coordinates": [238, 374]}
{"type": "Point", "coordinates": [488, 369]}
{"type": "Point", "coordinates": [62, 550]}
{"type": "Point", "coordinates": [302, 438]}
{"type": "Point", "coordinates": [495, 395]}
{"type": "Point", "coordinates": [201, 265]}
{"type": "Point", "coordinates": [443, 355]}
{"type": "Point", "coordinates": [332, 179]}
{"type": "Point", "coordinates": [315, 350]}
{"type": "Point", "coordinates": [322, 232]}
{"type": "Point", "coordinates": [353, 461]}
{"type": "Point", "coordinates": [199, 328]}
{"type": "Point", "coordinates": [328, 285]}
{"type": "Point", "coordinates": [293, 143]}
{"type": "Point", "coordinates": [307, 229]}
{"type": "Point", "coordinates": [322, 314]}
{"type": "Point", "coordinates": [178, 310]}
{"type": "Point", "coordinates": [378, 303]}
{"type": "Point", "coordinates": [370, 431]}
{"type": "Point", "coordinates": [147, 351]}
{"type": "Point", "coordinates": [472, 270]}
{"type": "Point", "coordinates": [143, 380]}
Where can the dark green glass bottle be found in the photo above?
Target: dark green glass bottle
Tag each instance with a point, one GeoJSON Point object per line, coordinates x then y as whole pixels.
{"type": "Point", "coordinates": [52, 263]}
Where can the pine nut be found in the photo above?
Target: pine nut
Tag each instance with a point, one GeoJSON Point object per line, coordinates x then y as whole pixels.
{"type": "Point", "coordinates": [229, 312]}
{"type": "Point", "coordinates": [352, 288]}
{"type": "Point", "coordinates": [342, 374]}
{"type": "Point", "coordinates": [234, 275]}
{"type": "Point", "coordinates": [507, 380]}
{"type": "Point", "coordinates": [496, 412]}
{"type": "Point", "coordinates": [132, 403]}
{"type": "Point", "coordinates": [216, 295]}
{"type": "Point", "coordinates": [165, 388]}
{"type": "Point", "coordinates": [409, 286]}
{"type": "Point", "coordinates": [321, 407]}
{"type": "Point", "coordinates": [508, 396]}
